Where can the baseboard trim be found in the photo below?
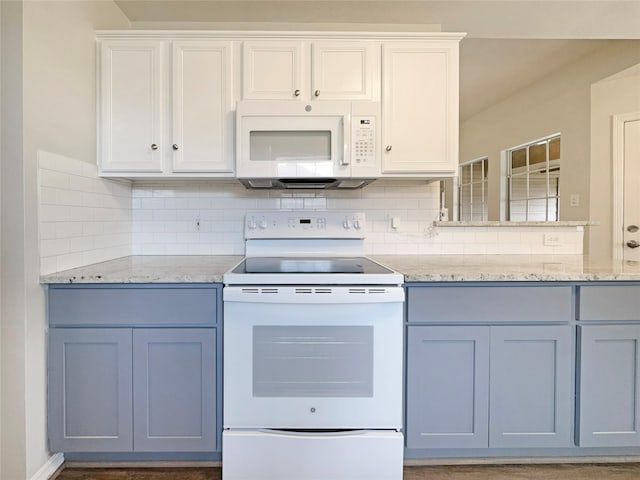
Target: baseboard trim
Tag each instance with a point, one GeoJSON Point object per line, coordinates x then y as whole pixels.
{"type": "Point", "coordinates": [50, 467]}
{"type": "Point", "coordinates": [145, 464]}
{"type": "Point", "coordinates": [426, 462]}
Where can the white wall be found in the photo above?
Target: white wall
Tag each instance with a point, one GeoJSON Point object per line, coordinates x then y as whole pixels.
{"type": "Point", "coordinates": [48, 82]}
{"type": "Point", "coordinates": [620, 94]}
{"type": "Point", "coordinates": [558, 103]}
{"type": "Point", "coordinates": [1, 115]}
{"type": "Point", "coordinates": [13, 454]}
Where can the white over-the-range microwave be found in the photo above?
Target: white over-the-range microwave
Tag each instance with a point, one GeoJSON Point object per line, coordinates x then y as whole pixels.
{"type": "Point", "coordinates": [292, 144]}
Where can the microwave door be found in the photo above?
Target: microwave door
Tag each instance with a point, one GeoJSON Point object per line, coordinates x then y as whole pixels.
{"type": "Point", "coordinates": [293, 147]}
{"type": "Point", "coordinates": [294, 153]}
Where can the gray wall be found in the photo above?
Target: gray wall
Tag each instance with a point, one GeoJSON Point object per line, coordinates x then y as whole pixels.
{"type": "Point", "coordinates": [561, 103]}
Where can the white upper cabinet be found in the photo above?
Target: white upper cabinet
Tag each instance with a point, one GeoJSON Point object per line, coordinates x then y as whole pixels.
{"type": "Point", "coordinates": [274, 70]}
{"type": "Point", "coordinates": [318, 70]}
{"type": "Point", "coordinates": [130, 137]}
{"type": "Point", "coordinates": [420, 108]}
{"type": "Point", "coordinates": [166, 108]}
{"type": "Point", "coordinates": [345, 70]}
{"type": "Point", "coordinates": [202, 120]}
{"type": "Point", "coordinates": [167, 100]}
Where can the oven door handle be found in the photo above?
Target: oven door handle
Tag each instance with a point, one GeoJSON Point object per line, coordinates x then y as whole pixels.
{"type": "Point", "coordinates": [314, 295]}
{"type": "Point", "coordinates": [315, 433]}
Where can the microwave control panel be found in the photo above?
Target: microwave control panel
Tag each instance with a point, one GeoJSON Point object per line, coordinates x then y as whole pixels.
{"type": "Point", "coordinates": [363, 138]}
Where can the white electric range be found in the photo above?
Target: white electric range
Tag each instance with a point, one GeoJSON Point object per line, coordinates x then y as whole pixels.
{"type": "Point", "coordinates": [312, 353]}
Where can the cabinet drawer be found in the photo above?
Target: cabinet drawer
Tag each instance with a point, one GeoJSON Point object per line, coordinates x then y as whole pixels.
{"type": "Point", "coordinates": [491, 304]}
{"type": "Point", "coordinates": [609, 302]}
{"type": "Point", "coordinates": [133, 305]}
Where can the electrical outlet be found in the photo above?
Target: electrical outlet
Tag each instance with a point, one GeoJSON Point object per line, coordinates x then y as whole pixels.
{"type": "Point", "coordinates": [552, 240]}
{"type": "Point", "coordinates": [574, 200]}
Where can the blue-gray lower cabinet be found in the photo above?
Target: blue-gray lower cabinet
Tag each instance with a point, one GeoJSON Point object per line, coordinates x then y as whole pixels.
{"type": "Point", "coordinates": [530, 386]}
{"type": "Point", "coordinates": [90, 390]}
{"type": "Point", "coordinates": [174, 390]}
{"type": "Point", "coordinates": [124, 390]}
{"type": "Point", "coordinates": [134, 368]}
{"type": "Point", "coordinates": [609, 385]}
{"type": "Point", "coordinates": [489, 386]}
{"type": "Point", "coordinates": [447, 387]}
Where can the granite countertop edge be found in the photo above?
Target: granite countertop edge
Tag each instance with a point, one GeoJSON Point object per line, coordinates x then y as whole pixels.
{"type": "Point", "coordinates": [510, 223]}
{"type": "Point", "coordinates": [415, 268]}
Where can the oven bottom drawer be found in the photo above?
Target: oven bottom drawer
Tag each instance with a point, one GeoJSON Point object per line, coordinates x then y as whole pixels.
{"type": "Point", "coordinates": [278, 455]}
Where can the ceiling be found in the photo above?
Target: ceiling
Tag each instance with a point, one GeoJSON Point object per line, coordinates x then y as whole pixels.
{"type": "Point", "coordinates": [510, 44]}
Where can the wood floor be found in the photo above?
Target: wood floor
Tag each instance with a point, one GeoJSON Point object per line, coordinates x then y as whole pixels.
{"type": "Point", "coordinates": [617, 471]}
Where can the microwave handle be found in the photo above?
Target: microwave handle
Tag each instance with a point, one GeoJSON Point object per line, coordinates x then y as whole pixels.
{"type": "Point", "coordinates": [343, 160]}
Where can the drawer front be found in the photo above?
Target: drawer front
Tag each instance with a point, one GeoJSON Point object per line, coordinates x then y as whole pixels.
{"type": "Point", "coordinates": [609, 302]}
{"type": "Point", "coordinates": [133, 305]}
{"type": "Point", "coordinates": [491, 304]}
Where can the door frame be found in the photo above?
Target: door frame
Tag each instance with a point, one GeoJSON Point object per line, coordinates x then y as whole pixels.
{"type": "Point", "coordinates": [617, 155]}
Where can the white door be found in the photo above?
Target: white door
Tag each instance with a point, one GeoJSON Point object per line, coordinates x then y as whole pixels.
{"type": "Point", "coordinates": [345, 71]}
{"type": "Point", "coordinates": [420, 108]}
{"type": "Point", "coordinates": [130, 106]}
{"type": "Point", "coordinates": [631, 209]}
{"type": "Point", "coordinates": [276, 70]}
{"type": "Point", "coordinates": [202, 136]}
{"type": "Point", "coordinates": [330, 360]}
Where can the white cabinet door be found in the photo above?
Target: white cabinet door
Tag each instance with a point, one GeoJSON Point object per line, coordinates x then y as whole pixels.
{"type": "Point", "coordinates": [202, 134]}
{"type": "Point", "coordinates": [275, 70]}
{"type": "Point", "coordinates": [130, 106]}
{"type": "Point", "coordinates": [420, 108]}
{"type": "Point", "coordinates": [345, 71]}
{"type": "Point", "coordinates": [337, 70]}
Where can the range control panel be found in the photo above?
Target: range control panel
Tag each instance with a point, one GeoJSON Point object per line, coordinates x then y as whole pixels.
{"type": "Point", "coordinates": [304, 224]}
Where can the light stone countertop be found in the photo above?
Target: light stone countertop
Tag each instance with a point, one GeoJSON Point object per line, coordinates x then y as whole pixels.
{"type": "Point", "coordinates": [510, 223]}
{"type": "Point", "coordinates": [150, 269]}
{"type": "Point", "coordinates": [415, 268]}
{"type": "Point", "coordinates": [501, 268]}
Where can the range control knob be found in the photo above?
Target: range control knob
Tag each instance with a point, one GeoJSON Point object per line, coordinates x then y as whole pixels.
{"type": "Point", "coordinates": [252, 225]}
{"type": "Point", "coordinates": [263, 224]}
{"type": "Point", "coordinates": [356, 223]}
{"type": "Point", "coordinates": [346, 224]}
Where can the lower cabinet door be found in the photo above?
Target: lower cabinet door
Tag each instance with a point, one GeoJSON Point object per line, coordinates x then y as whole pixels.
{"type": "Point", "coordinates": [90, 385]}
{"type": "Point", "coordinates": [609, 377]}
{"type": "Point", "coordinates": [174, 389]}
{"type": "Point", "coordinates": [447, 387]}
{"type": "Point", "coordinates": [530, 387]}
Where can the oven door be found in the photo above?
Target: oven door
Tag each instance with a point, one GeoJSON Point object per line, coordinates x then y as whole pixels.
{"type": "Point", "coordinates": [313, 357]}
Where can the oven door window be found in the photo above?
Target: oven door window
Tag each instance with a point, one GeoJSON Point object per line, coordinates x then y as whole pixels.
{"type": "Point", "coordinates": [313, 361]}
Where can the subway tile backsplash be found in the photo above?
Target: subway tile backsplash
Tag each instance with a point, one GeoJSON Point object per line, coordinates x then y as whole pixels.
{"type": "Point", "coordinates": [203, 218]}
{"type": "Point", "coordinates": [85, 219]}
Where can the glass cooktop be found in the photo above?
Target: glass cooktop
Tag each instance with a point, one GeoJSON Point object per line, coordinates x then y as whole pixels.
{"type": "Point", "coordinates": [284, 265]}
